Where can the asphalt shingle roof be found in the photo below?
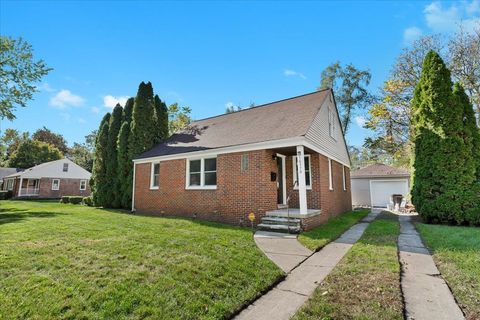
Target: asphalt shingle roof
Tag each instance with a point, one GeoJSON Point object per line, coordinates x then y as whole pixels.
{"type": "Point", "coordinates": [273, 121]}
{"type": "Point", "coordinates": [379, 170]}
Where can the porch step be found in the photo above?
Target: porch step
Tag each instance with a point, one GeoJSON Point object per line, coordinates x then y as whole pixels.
{"type": "Point", "coordinates": [281, 220]}
{"type": "Point", "coordinates": [279, 228]}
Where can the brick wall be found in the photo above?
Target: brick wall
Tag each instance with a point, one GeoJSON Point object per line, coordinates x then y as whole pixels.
{"type": "Point", "coordinates": [238, 192]}
{"type": "Point", "coordinates": [68, 187]}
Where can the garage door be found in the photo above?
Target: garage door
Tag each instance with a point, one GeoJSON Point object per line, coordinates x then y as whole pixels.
{"type": "Point", "coordinates": [382, 190]}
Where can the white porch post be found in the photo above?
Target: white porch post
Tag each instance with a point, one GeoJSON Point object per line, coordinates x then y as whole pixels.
{"type": "Point", "coordinates": [302, 186]}
{"type": "Point", "coordinates": [20, 187]}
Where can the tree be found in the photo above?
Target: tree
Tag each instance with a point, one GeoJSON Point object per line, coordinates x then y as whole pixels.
{"type": "Point", "coordinates": [124, 167]}
{"type": "Point", "coordinates": [81, 155]}
{"type": "Point", "coordinates": [111, 194]}
{"type": "Point", "coordinates": [350, 87]}
{"type": "Point", "coordinates": [128, 110]}
{"type": "Point", "coordinates": [55, 139]}
{"type": "Point", "coordinates": [161, 117]}
{"type": "Point", "coordinates": [31, 153]}
{"type": "Point", "coordinates": [18, 71]}
{"type": "Point", "coordinates": [9, 142]}
{"type": "Point", "coordinates": [442, 163]}
{"type": "Point", "coordinates": [100, 179]}
{"type": "Point", "coordinates": [179, 118]}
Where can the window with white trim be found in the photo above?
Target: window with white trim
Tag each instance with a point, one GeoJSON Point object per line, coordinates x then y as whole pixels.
{"type": "Point", "coordinates": [65, 167]}
{"type": "Point", "coordinates": [155, 175]}
{"type": "Point", "coordinates": [202, 173]}
{"type": "Point", "coordinates": [331, 122]}
{"type": "Point", "coordinates": [330, 175]}
{"type": "Point", "coordinates": [344, 179]}
{"type": "Point", "coordinates": [308, 171]}
{"type": "Point", "coordinates": [10, 184]}
{"type": "Point", "coordinates": [83, 185]}
{"type": "Point", "coordinates": [55, 184]}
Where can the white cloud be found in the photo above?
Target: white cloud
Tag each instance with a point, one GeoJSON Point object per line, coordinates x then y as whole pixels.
{"type": "Point", "coordinates": [46, 87]}
{"type": "Point", "coordinates": [411, 34]}
{"type": "Point", "coordinates": [293, 73]}
{"type": "Point", "coordinates": [65, 98]}
{"type": "Point", "coordinates": [111, 101]}
{"type": "Point", "coordinates": [95, 109]}
{"type": "Point", "coordinates": [360, 120]}
{"type": "Point", "coordinates": [442, 19]}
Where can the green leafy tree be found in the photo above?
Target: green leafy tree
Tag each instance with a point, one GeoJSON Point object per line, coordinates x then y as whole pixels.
{"type": "Point", "coordinates": [81, 155]}
{"type": "Point", "coordinates": [125, 167]}
{"type": "Point", "coordinates": [55, 139]}
{"type": "Point", "coordinates": [161, 117]}
{"type": "Point", "coordinates": [442, 163]}
{"type": "Point", "coordinates": [128, 110]}
{"type": "Point", "coordinates": [31, 153]}
{"type": "Point", "coordinates": [350, 87]}
{"type": "Point", "coordinates": [99, 181]}
{"type": "Point", "coordinates": [112, 199]}
{"type": "Point", "coordinates": [18, 71]}
{"type": "Point", "coordinates": [179, 118]}
{"type": "Point", "coordinates": [9, 142]}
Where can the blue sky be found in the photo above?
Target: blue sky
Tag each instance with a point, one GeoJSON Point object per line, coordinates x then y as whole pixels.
{"type": "Point", "coordinates": [207, 55]}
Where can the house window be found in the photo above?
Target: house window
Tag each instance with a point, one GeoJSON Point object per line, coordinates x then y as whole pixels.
{"type": "Point", "coordinates": [155, 176]}
{"type": "Point", "coordinates": [83, 184]}
{"type": "Point", "coordinates": [202, 173]}
{"type": "Point", "coordinates": [10, 184]}
{"type": "Point", "coordinates": [65, 167]}
{"type": "Point", "coordinates": [55, 184]}
{"type": "Point", "coordinates": [308, 172]}
{"type": "Point", "coordinates": [245, 162]}
{"type": "Point", "coordinates": [331, 122]}
{"type": "Point", "coordinates": [344, 179]}
{"type": "Point", "coordinates": [330, 175]}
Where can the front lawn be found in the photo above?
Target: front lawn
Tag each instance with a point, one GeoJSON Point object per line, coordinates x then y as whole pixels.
{"type": "Point", "coordinates": [366, 282]}
{"type": "Point", "coordinates": [320, 236]}
{"type": "Point", "coordinates": [456, 251]}
{"type": "Point", "coordinates": [76, 262]}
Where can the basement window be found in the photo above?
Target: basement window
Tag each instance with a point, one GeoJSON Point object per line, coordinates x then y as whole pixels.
{"type": "Point", "coordinates": [202, 173]}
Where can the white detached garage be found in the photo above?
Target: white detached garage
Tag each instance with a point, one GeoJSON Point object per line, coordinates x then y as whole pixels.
{"type": "Point", "coordinates": [378, 185]}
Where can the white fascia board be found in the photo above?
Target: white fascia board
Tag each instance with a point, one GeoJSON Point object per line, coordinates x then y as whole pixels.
{"type": "Point", "coordinates": [309, 144]}
{"type": "Point", "coordinates": [290, 142]}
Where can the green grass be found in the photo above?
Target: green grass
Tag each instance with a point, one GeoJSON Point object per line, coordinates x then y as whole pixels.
{"type": "Point", "coordinates": [456, 251]}
{"type": "Point", "coordinates": [76, 262]}
{"type": "Point", "coordinates": [366, 282]}
{"type": "Point", "coordinates": [319, 237]}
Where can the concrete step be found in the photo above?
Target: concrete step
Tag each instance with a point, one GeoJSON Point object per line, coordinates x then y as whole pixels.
{"type": "Point", "coordinates": [279, 228]}
{"type": "Point", "coordinates": [281, 220]}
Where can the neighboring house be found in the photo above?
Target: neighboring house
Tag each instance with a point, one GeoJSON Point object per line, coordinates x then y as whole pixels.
{"type": "Point", "coordinates": [5, 172]}
{"type": "Point", "coordinates": [374, 185]}
{"type": "Point", "coordinates": [224, 167]}
{"type": "Point", "coordinates": [52, 179]}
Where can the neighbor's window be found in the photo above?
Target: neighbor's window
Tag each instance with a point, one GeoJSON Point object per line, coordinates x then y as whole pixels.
{"type": "Point", "coordinates": [155, 178]}
{"type": "Point", "coordinates": [55, 184]}
{"type": "Point", "coordinates": [330, 175]}
{"type": "Point", "coordinates": [10, 184]}
{"type": "Point", "coordinates": [344, 179]}
{"type": "Point", "coordinates": [308, 171]}
{"type": "Point", "coordinates": [245, 162]}
{"type": "Point", "coordinates": [65, 167]}
{"type": "Point", "coordinates": [202, 173]}
{"type": "Point", "coordinates": [83, 184]}
{"type": "Point", "coordinates": [331, 122]}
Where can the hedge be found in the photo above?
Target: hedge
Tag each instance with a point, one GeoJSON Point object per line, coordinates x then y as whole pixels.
{"type": "Point", "coordinates": [4, 194]}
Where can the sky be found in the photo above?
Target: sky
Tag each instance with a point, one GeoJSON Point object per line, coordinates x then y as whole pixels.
{"type": "Point", "coordinates": [207, 55]}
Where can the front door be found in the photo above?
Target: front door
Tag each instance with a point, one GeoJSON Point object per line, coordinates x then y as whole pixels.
{"type": "Point", "coordinates": [281, 188]}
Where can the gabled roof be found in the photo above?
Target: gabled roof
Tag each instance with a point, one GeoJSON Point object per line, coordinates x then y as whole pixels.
{"type": "Point", "coordinates": [8, 171]}
{"type": "Point", "coordinates": [379, 170]}
{"type": "Point", "coordinates": [54, 169]}
{"type": "Point", "coordinates": [283, 119]}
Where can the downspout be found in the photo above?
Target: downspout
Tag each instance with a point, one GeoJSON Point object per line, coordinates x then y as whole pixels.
{"type": "Point", "coordinates": [133, 189]}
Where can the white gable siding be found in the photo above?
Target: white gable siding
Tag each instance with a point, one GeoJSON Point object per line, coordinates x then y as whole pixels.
{"type": "Point", "coordinates": [54, 169]}
{"type": "Point", "coordinates": [319, 133]}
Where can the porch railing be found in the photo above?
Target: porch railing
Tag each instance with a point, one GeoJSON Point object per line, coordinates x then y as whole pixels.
{"type": "Point", "coordinates": [295, 183]}
{"type": "Point", "coordinates": [29, 191]}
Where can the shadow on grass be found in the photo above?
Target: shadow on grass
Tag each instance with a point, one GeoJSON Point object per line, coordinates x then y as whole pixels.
{"type": "Point", "coordinates": [17, 215]}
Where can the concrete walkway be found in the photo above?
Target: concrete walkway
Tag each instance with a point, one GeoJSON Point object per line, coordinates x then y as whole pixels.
{"type": "Point", "coordinates": [289, 295]}
{"type": "Point", "coordinates": [426, 294]}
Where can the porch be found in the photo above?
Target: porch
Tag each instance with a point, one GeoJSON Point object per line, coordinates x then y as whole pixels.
{"type": "Point", "coordinates": [29, 188]}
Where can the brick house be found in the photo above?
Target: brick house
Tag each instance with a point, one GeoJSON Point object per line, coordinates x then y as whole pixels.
{"type": "Point", "coordinates": [285, 161]}
{"type": "Point", "coordinates": [49, 180]}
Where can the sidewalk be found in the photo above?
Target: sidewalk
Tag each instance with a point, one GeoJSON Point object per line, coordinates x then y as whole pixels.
{"type": "Point", "coordinates": [289, 295]}
{"type": "Point", "coordinates": [426, 294]}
